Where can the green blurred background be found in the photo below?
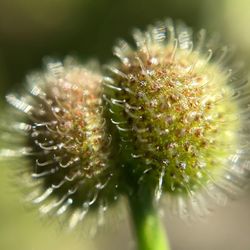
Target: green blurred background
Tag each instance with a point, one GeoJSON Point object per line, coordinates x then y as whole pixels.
{"type": "Point", "coordinates": [30, 30]}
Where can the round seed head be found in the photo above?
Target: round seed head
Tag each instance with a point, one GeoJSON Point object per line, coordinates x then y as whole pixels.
{"type": "Point", "coordinates": [67, 143]}
{"type": "Point", "coordinates": [180, 111]}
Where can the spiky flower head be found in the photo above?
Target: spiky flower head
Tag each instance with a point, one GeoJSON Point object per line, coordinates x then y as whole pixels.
{"type": "Point", "coordinates": [67, 143]}
{"type": "Point", "coordinates": [180, 111]}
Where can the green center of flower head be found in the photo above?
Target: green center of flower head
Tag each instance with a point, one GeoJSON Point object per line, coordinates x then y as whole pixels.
{"type": "Point", "coordinates": [174, 112]}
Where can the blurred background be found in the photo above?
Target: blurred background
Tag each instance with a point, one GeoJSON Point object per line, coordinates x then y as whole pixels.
{"type": "Point", "coordinates": [30, 30]}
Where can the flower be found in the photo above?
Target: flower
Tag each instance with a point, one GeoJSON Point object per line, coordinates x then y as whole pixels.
{"type": "Point", "coordinates": [181, 111]}
{"type": "Point", "coordinates": [60, 120]}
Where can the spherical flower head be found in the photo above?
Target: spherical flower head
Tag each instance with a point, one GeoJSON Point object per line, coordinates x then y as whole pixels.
{"type": "Point", "coordinates": [67, 142]}
{"type": "Point", "coordinates": [177, 109]}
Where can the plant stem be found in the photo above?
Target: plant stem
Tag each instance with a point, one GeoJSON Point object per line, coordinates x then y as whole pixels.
{"type": "Point", "coordinates": [148, 229]}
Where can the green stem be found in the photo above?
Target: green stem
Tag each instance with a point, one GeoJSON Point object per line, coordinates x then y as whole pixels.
{"type": "Point", "coordinates": [147, 226]}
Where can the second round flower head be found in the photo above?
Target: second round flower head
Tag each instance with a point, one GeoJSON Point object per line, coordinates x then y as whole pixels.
{"type": "Point", "coordinates": [180, 112]}
{"type": "Point", "coordinates": [67, 143]}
